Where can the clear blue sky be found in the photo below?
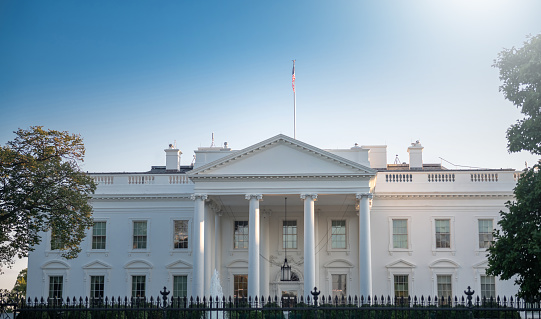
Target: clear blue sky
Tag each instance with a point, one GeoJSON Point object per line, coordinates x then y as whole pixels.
{"type": "Point", "coordinates": [133, 76]}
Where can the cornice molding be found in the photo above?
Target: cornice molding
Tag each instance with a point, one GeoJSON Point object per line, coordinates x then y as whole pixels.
{"type": "Point", "coordinates": [140, 197]}
{"type": "Point", "coordinates": [282, 177]}
{"type": "Point", "coordinates": [442, 196]}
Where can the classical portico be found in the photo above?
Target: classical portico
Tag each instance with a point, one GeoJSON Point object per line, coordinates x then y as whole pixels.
{"type": "Point", "coordinates": [250, 185]}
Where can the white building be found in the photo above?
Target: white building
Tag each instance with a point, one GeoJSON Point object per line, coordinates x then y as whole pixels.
{"type": "Point", "coordinates": [355, 226]}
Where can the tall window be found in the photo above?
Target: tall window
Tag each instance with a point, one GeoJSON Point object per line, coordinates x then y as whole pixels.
{"type": "Point", "coordinates": [401, 288]}
{"type": "Point", "coordinates": [56, 242]}
{"type": "Point", "coordinates": [339, 286]}
{"type": "Point", "coordinates": [445, 288]}
{"type": "Point", "coordinates": [97, 287]}
{"type": "Point", "coordinates": [240, 285]}
{"type": "Point", "coordinates": [56, 285]}
{"type": "Point", "coordinates": [138, 286]}
{"type": "Point", "coordinates": [338, 234]}
{"type": "Point", "coordinates": [180, 238]}
{"type": "Point", "coordinates": [400, 233]}
{"type": "Point", "coordinates": [488, 287]}
{"type": "Point", "coordinates": [443, 233]}
{"type": "Point", "coordinates": [241, 235]}
{"type": "Point", "coordinates": [140, 235]}
{"type": "Point", "coordinates": [289, 234]}
{"type": "Point", "coordinates": [180, 286]}
{"type": "Point", "coordinates": [98, 235]}
{"type": "Point", "coordinates": [485, 233]}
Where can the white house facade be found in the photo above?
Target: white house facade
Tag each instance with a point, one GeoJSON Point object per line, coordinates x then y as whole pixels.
{"type": "Point", "coordinates": [347, 222]}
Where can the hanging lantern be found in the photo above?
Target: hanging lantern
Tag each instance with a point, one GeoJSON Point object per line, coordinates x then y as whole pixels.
{"type": "Point", "coordinates": [286, 268]}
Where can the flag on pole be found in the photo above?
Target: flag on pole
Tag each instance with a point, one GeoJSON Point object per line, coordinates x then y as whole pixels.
{"type": "Point", "coordinates": [293, 77]}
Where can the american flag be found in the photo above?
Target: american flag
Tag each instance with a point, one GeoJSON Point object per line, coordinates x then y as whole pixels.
{"type": "Point", "coordinates": [293, 77]}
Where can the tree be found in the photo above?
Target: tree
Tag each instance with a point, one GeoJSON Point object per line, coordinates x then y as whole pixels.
{"type": "Point", "coordinates": [42, 188]}
{"type": "Point", "coordinates": [517, 246]}
{"type": "Point", "coordinates": [520, 71]}
{"type": "Point", "coordinates": [20, 284]}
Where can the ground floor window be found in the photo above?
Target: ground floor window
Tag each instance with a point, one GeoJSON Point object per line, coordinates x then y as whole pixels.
{"type": "Point", "coordinates": [56, 285]}
{"type": "Point", "coordinates": [289, 298]}
{"type": "Point", "coordinates": [339, 287]}
{"type": "Point", "coordinates": [97, 287]}
{"type": "Point", "coordinates": [488, 287]}
{"type": "Point", "coordinates": [401, 288]}
{"type": "Point", "coordinates": [138, 287]}
{"type": "Point", "coordinates": [445, 288]}
{"type": "Point", "coordinates": [240, 284]}
{"type": "Point", "coordinates": [180, 286]}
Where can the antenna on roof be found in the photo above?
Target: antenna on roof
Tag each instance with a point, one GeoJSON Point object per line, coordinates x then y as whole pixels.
{"type": "Point", "coordinates": [175, 144]}
{"type": "Point", "coordinates": [212, 144]}
{"type": "Point", "coordinates": [396, 159]}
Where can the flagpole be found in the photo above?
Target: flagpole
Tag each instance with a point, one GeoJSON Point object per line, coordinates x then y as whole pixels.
{"type": "Point", "coordinates": [294, 103]}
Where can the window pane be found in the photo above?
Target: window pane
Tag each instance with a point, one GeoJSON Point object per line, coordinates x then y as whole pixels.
{"type": "Point", "coordinates": [180, 286]}
{"type": "Point", "coordinates": [55, 286]}
{"type": "Point", "coordinates": [140, 235]}
{"type": "Point", "coordinates": [180, 239]}
{"type": "Point", "coordinates": [338, 234]}
{"type": "Point", "coordinates": [289, 234]}
{"type": "Point", "coordinates": [339, 286]}
{"type": "Point", "coordinates": [56, 242]}
{"type": "Point", "coordinates": [241, 235]}
{"type": "Point", "coordinates": [444, 287]}
{"type": "Point", "coordinates": [98, 235]}
{"type": "Point", "coordinates": [400, 233]}
{"type": "Point", "coordinates": [485, 233]}
{"type": "Point", "coordinates": [443, 233]}
{"type": "Point", "coordinates": [488, 287]}
{"type": "Point", "coordinates": [401, 288]}
{"type": "Point", "coordinates": [240, 286]}
{"type": "Point", "coordinates": [138, 286]}
{"type": "Point", "coordinates": [97, 286]}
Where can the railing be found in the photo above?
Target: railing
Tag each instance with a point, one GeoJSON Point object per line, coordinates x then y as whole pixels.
{"type": "Point", "coordinates": [141, 179]}
{"type": "Point", "coordinates": [484, 177]}
{"type": "Point", "coordinates": [104, 179]}
{"type": "Point", "coordinates": [399, 177]}
{"type": "Point", "coordinates": [441, 177]}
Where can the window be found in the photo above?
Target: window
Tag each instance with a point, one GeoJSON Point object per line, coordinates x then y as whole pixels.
{"type": "Point", "coordinates": [339, 287]}
{"type": "Point", "coordinates": [289, 234]}
{"type": "Point", "coordinates": [140, 235]}
{"type": "Point", "coordinates": [97, 287]}
{"type": "Point", "coordinates": [401, 288]}
{"type": "Point", "coordinates": [56, 242]}
{"type": "Point", "coordinates": [400, 233]}
{"type": "Point", "coordinates": [443, 233]}
{"type": "Point", "coordinates": [180, 286]}
{"type": "Point", "coordinates": [338, 234]}
{"type": "Point", "coordinates": [488, 287]}
{"type": "Point", "coordinates": [138, 286]}
{"type": "Point", "coordinates": [485, 233]}
{"type": "Point", "coordinates": [180, 238]}
{"type": "Point", "coordinates": [98, 235]}
{"type": "Point", "coordinates": [445, 290]}
{"type": "Point", "coordinates": [240, 284]}
{"type": "Point", "coordinates": [56, 284]}
{"type": "Point", "coordinates": [241, 235]}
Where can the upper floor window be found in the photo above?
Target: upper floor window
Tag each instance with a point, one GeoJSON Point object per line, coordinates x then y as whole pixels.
{"type": "Point", "coordinates": [289, 234]}
{"type": "Point", "coordinates": [241, 235]}
{"type": "Point", "coordinates": [443, 233]}
{"type": "Point", "coordinates": [180, 238]}
{"type": "Point", "coordinates": [99, 235]}
{"type": "Point", "coordinates": [139, 235]}
{"type": "Point", "coordinates": [400, 233]}
{"type": "Point", "coordinates": [338, 234]}
{"type": "Point", "coordinates": [485, 233]}
{"type": "Point", "coordinates": [56, 241]}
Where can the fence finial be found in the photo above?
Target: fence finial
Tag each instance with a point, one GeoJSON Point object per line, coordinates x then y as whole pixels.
{"type": "Point", "coordinates": [469, 293]}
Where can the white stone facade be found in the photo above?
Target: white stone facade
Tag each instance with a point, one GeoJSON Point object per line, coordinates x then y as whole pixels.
{"type": "Point", "coordinates": [358, 226]}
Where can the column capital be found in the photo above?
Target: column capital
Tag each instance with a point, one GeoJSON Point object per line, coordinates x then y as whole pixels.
{"type": "Point", "coordinates": [363, 195]}
{"type": "Point", "coordinates": [310, 196]}
{"type": "Point", "coordinates": [256, 196]}
{"type": "Point", "coordinates": [199, 196]}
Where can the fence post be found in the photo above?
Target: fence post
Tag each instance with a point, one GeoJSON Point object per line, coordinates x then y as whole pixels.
{"type": "Point", "coordinates": [164, 294]}
{"type": "Point", "coordinates": [469, 293]}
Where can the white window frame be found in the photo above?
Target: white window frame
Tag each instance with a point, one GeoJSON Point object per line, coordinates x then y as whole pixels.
{"type": "Point", "coordinates": [139, 250]}
{"type": "Point", "coordinates": [479, 218]}
{"type": "Point", "coordinates": [452, 244]}
{"type": "Point", "coordinates": [233, 233]}
{"type": "Point", "coordinates": [408, 249]}
{"type": "Point", "coordinates": [393, 283]}
{"type": "Point", "coordinates": [107, 237]}
{"type": "Point", "coordinates": [172, 234]}
{"type": "Point", "coordinates": [400, 267]}
{"type": "Point", "coordinates": [481, 270]}
{"type": "Point", "coordinates": [55, 267]}
{"type": "Point", "coordinates": [495, 287]}
{"type": "Point", "coordinates": [444, 267]}
{"type": "Point", "coordinates": [281, 239]}
{"type": "Point", "coordinates": [329, 236]}
{"type": "Point", "coordinates": [453, 286]}
{"type": "Point", "coordinates": [96, 268]}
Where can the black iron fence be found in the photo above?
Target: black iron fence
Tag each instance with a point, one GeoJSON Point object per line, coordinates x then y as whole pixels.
{"type": "Point", "coordinates": [466, 307]}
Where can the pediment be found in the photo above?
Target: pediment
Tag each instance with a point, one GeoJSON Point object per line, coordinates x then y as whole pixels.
{"type": "Point", "coordinates": [55, 264]}
{"type": "Point", "coordinates": [238, 264]}
{"type": "Point", "coordinates": [97, 264]}
{"type": "Point", "coordinates": [401, 263]}
{"type": "Point", "coordinates": [339, 263]}
{"type": "Point", "coordinates": [281, 156]}
{"type": "Point", "coordinates": [138, 264]}
{"type": "Point", "coordinates": [481, 265]}
{"type": "Point", "coordinates": [444, 263]}
{"type": "Point", "coordinates": [179, 264]}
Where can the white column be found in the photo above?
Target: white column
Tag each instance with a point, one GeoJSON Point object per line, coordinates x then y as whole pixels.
{"type": "Point", "coordinates": [309, 244]}
{"type": "Point", "coordinates": [365, 254]}
{"type": "Point", "coordinates": [208, 250]}
{"type": "Point", "coordinates": [198, 280]}
{"type": "Point", "coordinates": [253, 245]}
{"type": "Point", "coordinates": [218, 242]}
{"type": "Point", "coordinates": [264, 260]}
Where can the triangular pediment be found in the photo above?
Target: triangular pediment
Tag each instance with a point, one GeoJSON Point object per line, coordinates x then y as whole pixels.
{"type": "Point", "coordinates": [401, 263]}
{"type": "Point", "coordinates": [281, 156]}
{"type": "Point", "coordinates": [97, 264]}
{"type": "Point", "coordinates": [179, 264]}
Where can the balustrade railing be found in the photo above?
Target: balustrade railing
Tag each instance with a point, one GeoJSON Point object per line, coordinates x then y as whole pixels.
{"type": "Point", "coordinates": [399, 177]}
{"type": "Point", "coordinates": [441, 177]}
{"type": "Point", "coordinates": [484, 177]}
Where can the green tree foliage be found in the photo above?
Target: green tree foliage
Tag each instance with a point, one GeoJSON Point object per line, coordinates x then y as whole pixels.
{"type": "Point", "coordinates": [42, 188]}
{"type": "Point", "coordinates": [20, 284]}
{"type": "Point", "coordinates": [520, 72]}
{"type": "Point", "coordinates": [517, 247]}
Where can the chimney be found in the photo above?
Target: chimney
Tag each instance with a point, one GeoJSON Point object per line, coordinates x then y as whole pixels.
{"type": "Point", "coordinates": [416, 155]}
{"type": "Point", "coordinates": [172, 158]}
